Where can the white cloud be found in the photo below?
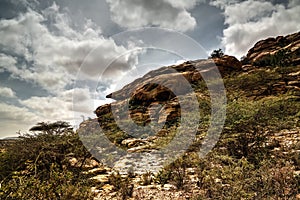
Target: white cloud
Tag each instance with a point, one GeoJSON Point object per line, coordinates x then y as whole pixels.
{"type": "Point", "coordinates": [248, 11]}
{"type": "Point", "coordinates": [56, 51]}
{"type": "Point", "coordinates": [62, 107]}
{"type": "Point", "coordinates": [44, 48]}
{"type": "Point", "coordinates": [253, 20]}
{"type": "Point", "coordinates": [16, 114]}
{"type": "Point", "coordinates": [49, 108]}
{"type": "Point", "coordinates": [183, 3]}
{"type": "Point", "coordinates": [223, 3]}
{"type": "Point", "coordinates": [7, 61]}
{"type": "Point", "coordinates": [7, 92]}
{"type": "Point", "coordinates": [14, 119]}
{"type": "Point", "coordinates": [163, 13]}
{"type": "Point", "coordinates": [69, 106]}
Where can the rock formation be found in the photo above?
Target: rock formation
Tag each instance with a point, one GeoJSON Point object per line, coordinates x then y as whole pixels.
{"type": "Point", "coordinates": [154, 87]}
{"type": "Point", "coordinates": [271, 70]}
{"type": "Point", "coordinates": [264, 49]}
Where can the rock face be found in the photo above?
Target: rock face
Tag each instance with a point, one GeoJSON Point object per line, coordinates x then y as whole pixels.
{"type": "Point", "coordinates": [154, 86]}
{"type": "Point", "coordinates": [153, 101]}
{"type": "Point", "coordinates": [171, 77]}
{"type": "Point", "coordinates": [227, 64]}
{"type": "Point", "coordinates": [263, 49]}
{"type": "Point", "coordinates": [155, 94]}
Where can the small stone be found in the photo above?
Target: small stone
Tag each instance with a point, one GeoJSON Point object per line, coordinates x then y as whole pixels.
{"type": "Point", "coordinates": [102, 178]}
{"type": "Point", "coordinates": [190, 171]}
{"type": "Point", "coordinates": [139, 149]}
{"type": "Point", "coordinates": [96, 171]}
{"type": "Point", "coordinates": [90, 163]}
{"type": "Point", "coordinates": [217, 180]}
{"type": "Point", "coordinates": [297, 173]}
{"type": "Point", "coordinates": [73, 161]}
{"type": "Point", "coordinates": [107, 187]}
{"type": "Point", "coordinates": [95, 190]}
{"type": "Point", "coordinates": [294, 83]}
{"type": "Point", "coordinates": [169, 187]}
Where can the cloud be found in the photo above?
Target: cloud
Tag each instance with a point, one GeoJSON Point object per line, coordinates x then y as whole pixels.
{"type": "Point", "coordinates": [162, 13]}
{"type": "Point", "coordinates": [14, 113]}
{"type": "Point", "coordinates": [223, 3]}
{"type": "Point", "coordinates": [7, 61]}
{"type": "Point", "coordinates": [7, 92]}
{"type": "Point", "coordinates": [62, 107]}
{"type": "Point", "coordinates": [52, 51]}
{"type": "Point", "coordinates": [248, 11]}
{"type": "Point", "coordinates": [15, 118]}
{"type": "Point", "coordinates": [69, 106]}
{"type": "Point", "coordinates": [293, 3]}
{"type": "Point", "coordinates": [253, 20]}
{"type": "Point", "coordinates": [47, 49]}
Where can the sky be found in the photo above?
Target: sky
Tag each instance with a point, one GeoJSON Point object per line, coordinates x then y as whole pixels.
{"type": "Point", "coordinates": [60, 58]}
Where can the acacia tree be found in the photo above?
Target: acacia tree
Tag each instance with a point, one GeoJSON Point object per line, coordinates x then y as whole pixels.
{"type": "Point", "coordinates": [56, 128]}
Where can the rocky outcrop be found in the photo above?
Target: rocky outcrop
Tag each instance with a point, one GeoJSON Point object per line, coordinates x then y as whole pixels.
{"type": "Point", "coordinates": [228, 64]}
{"type": "Point", "coordinates": [262, 50]}
{"type": "Point", "coordinates": [171, 77]}
{"type": "Point", "coordinates": [160, 88]}
{"type": "Point", "coordinates": [155, 86]}
{"type": "Point", "coordinates": [154, 97]}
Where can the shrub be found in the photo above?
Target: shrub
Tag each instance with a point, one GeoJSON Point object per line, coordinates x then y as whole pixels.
{"type": "Point", "coordinates": [221, 177]}
{"type": "Point", "coordinates": [281, 58]}
{"type": "Point", "coordinates": [146, 178]}
{"type": "Point", "coordinates": [218, 53]}
{"type": "Point", "coordinates": [36, 166]}
{"type": "Point", "coordinates": [174, 173]}
{"type": "Point", "coordinates": [122, 185]}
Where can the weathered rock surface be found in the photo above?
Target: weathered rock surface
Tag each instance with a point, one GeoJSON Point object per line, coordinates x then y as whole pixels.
{"type": "Point", "coordinates": [263, 49]}
{"type": "Point", "coordinates": [227, 64]}
{"type": "Point", "coordinates": [171, 77]}
{"type": "Point", "coordinates": [154, 96]}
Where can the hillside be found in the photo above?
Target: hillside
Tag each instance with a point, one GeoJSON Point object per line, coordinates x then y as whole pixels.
{"type": "Point", "coordinates": [255, 156]}
{"type": "Point", "coordinates": [260, 137]}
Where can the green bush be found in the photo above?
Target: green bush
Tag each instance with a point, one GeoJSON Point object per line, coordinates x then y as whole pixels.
{"type": "Point", "coordinates": [249, 124]}
{"type": "Point", "coordinates": [122, 185]}
{"type": "Point", "coordinates": [37, 166]}
{"type": "Point", "coordinates": [221, 177]}
{"type": "Point", "coordinates": [174, 173]}
{"type": "Point", "coordinates": [60, 185]}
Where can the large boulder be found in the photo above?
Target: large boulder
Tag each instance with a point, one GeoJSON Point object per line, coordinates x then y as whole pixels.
{"type": "Point", "coordinates": [228, 64]}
